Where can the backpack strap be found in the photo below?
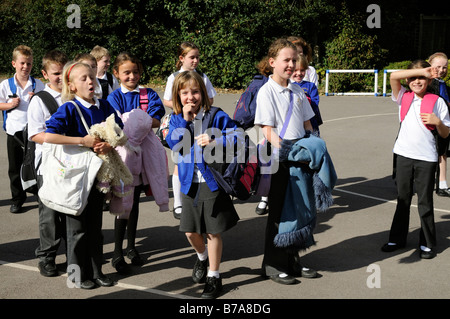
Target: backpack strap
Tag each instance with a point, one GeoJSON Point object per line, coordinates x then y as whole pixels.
{"type": "Point", "coordinates": [406, 103]}
{"type": "Point", "coordinates": [212, 113]}
{"type": "Point", "coordinates": [143, 99]}
{"type": "Point", "coordinates": [86, 126]}
{"type": "Point", "coordinates": [48, 101]}
{"type": "Point", "coordinates": [13, 89]}
{"type": "Point", "coordinates": [33, 83]}
{"type": "Point", "coordinates": [200, 120]}
{"type": "Point", "coordinates": [288, 115]}
{"type": "Point", "coordinates": [12, 86]}
{"type": "Point", "coordinates": [426, 106]}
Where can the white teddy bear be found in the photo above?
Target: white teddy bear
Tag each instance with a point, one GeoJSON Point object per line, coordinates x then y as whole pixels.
{"type": "Point", "coordinates": [114, 177]}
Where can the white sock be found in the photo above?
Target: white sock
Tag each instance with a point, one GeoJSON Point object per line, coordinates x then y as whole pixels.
{"type": "Point", "coordinates": [443, 185]}
{"type": "Point", "coordinates": [212, 273]}
{"type": "Point", "coordinates": [176, 186]}
{"type": "Point", "coordinates": [263, 202]}
{"type": "Point", "coordinates": [424, 248]}
{"type": "Point", "coordinates": [204, 255]}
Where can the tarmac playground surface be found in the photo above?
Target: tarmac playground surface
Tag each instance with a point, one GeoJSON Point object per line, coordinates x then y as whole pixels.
{"type": "Point", "coordinates": [359, 132]}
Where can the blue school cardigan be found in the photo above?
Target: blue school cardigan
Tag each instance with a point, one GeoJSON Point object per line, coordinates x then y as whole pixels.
{"type": "Point", "coordinates": [308, 190]}
{"type": "Point", "coordinates": [179, 128]}
{"type": "Point", "coordinates": [125, 102]}
{"type": "Point", "coordinates": [67, 121]}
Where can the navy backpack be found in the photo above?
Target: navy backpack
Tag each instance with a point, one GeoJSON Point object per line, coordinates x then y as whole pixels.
{"type": "Point", "coordinates": [244, 114]}
{"type": "Point", "coordinates": [237, 176]}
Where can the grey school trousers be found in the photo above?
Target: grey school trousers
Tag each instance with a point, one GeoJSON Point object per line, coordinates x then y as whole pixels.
{"type": "Point", "coordinates": [52, 229]}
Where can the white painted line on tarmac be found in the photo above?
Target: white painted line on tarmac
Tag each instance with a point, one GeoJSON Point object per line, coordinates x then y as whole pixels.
{"type": "Point", "coordinates": [18, 266]}
{"type": "Point", "coordinates": [359, 116]}
{"type": "Point", "coordinates": [383, 200]}
{"type": "Point", "coordinates": [119, 284]}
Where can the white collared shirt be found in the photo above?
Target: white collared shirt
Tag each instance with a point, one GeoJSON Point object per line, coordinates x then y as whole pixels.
{"type": "Point", "coordinates": [272, 104]}
{"type": "Point", "coordinates": [37, 115]}
{"type": "Point", "coordinates": [86, 104]}
{"type": "Point", "coordinates": [124, 90]}
{"type": "Point", "coordinates": [17, 117]}
{"type": "Point", "coordinates": [414, 139]}
{"type": "Point", "coordinates": [168, 91]}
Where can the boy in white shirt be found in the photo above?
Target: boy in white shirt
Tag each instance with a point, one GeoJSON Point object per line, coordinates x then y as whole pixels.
{"type": "Point", "coordinates": [51, 223]}
{"type": "Point", "coordinates": [108, 82]}
{"type": "Point", "coordinates": [15, 94]}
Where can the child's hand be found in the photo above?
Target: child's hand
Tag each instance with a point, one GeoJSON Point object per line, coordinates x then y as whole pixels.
{"type": "Point", "coordinates": [189, 111]}
{"type": "Point", "coordinates": [90, 141]}
{"type": "Point", "coordinates": [203, 139]}
{"type": "Point", "coordinates": [102, 148]}
{"type": "Point", "coordinates": [431, 72]}
{"type": "Point", "coordinates": [15, 102]}
{"type": "Point", "coordinates": [430, 119]}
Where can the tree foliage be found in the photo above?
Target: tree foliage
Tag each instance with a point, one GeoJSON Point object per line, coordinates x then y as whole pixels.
{"type": "Point", "coordinates": [352, 49]}
{"type": "Point", "coordinates": [233, 35]}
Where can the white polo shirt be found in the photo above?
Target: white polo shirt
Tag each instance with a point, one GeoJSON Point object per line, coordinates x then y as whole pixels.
{"type": "Point", "coordinates": [272, 104]}
{"type": "Point", "coordinates": [414, 139]}
{"type": "Point", "coordinates": [38, 114]}
{"type": "Point", "coordinates": [17, 118]}
{"type": "Point", "coordinates": [168, 91]}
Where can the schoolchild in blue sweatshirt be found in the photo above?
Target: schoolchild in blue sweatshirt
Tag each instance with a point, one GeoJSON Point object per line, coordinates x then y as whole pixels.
{"type": "Point", "coordinates": [84, 232]}
{"type": "Point", "coordinates": [128, 69]}
{"type": "Point", "coordinates": [207, 210]}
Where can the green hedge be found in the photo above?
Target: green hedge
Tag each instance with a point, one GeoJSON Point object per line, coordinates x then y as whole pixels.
{"type": "Point", "coordinates": [233, 35]}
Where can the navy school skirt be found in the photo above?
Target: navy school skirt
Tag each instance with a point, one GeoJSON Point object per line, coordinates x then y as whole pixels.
{"type": "Point", "coordinates": [207, 212]}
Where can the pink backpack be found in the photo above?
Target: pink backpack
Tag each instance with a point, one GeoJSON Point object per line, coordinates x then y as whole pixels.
{"type": "Point", "coordinates": [426, 106]}
{"type": "Point", "coordinates": [143, 99]}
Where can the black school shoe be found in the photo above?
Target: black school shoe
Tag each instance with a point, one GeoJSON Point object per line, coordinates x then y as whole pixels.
{"type": "Point", "coordinates": [390, 248]}
{"type": "Point", "coordinates": [120, 265]}
{"type": "Point", "coordinates": [283, 280]}
{"type": "Point", "coordinates": [213, 288]}
{"type": "Point", "coordinates": [87, 284]}
{"type": "Point", "coordinates": [427, 254]}
{"type": "Point", "coordinates": [444, 192]}
{"type": "Point", "coordinates": [48, 269]}
{"type": "Point", "coordinates": [199, 271]}
{"type": "Point", "coordinates": [262, 211]}
{"type": "Point", "coordinates": [16, 208]}
{"type": "Point", "coordinates": [104, 281]}
{"type": "Point", "coordinates": [135, 258]}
